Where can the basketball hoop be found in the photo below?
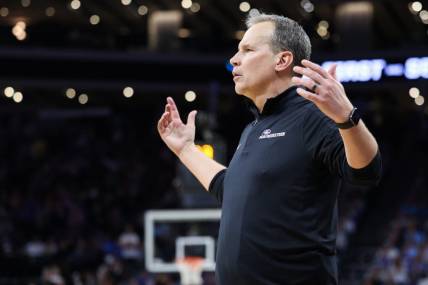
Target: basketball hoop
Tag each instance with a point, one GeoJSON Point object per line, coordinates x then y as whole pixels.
{"type": "Point", "coordinates": [190, 269]}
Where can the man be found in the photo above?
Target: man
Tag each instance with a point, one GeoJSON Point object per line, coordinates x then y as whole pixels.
{"type": "Point", "coordinates": [279, 192]}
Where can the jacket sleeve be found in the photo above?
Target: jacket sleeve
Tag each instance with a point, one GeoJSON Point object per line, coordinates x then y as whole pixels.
{"type": "Point", "coordinates": [216, 186]}
{"type": "Point", "coordinates": [325, 145]}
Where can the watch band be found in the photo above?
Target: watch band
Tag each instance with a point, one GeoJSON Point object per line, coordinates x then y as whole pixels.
{"type": "Point", "coordinates": [353, 120]}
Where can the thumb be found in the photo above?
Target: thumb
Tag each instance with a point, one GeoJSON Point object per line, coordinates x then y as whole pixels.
{"type": "Point", "coordinates": [332, 70]}
{"type": "Point", "coordinates": [191, 118]}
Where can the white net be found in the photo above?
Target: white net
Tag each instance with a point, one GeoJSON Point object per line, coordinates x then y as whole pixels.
{"type": "Point", "coordinates": [190, 270]}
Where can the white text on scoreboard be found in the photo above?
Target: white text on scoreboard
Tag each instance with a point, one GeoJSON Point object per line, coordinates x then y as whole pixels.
{"type": "Point", "coordinates": [375, 69]}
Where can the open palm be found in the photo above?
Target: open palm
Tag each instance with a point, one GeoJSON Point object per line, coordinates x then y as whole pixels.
{"type": "Point", "coordinates": [173, 131]}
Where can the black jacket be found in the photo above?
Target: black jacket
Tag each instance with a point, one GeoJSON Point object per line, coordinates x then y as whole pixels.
{"type": "Point", "coordinates": [279, 197]}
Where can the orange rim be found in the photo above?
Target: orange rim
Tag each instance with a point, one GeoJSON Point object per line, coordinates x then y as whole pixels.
{"type": "Point", "coordinates": [192, 261]}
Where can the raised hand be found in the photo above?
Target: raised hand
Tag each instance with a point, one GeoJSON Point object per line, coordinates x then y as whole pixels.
{"type": "Point", "coordinates": [325, 91]}
{"type": "Point", "coordinates": [176, 135]}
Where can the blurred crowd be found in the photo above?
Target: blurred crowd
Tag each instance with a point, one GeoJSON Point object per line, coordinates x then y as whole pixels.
{"type": "Point", "coordinates": [403, 259]}
{"type": "Point", "coordinates": [73, 192]}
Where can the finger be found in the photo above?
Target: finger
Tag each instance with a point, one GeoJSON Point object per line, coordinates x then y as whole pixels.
{"type": "Point", "coordinates": [191, 118]}
{"type": "Point", "coordinates": [308, 95]}
{"type": "Point", "coordinates": [168, 111]}
{"type": "Point", "coordinates": [332, 70]}
{"type": "Point", "coordinates": [161, 122]}
{"type": "Point", "coordinates": [316, 77]}
{"type": "Point", "coordinates": [305, 82]}
{"type": "Point", "coordinates": [316, 67]}
{"type": "Point", "coordinates": [167, 120]}
{"type": "Point", "coordinates": [173, 108]}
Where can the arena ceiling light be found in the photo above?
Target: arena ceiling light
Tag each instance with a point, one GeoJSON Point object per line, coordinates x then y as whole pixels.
{"type": "Point", "coordinates": [128, 92]}
{"type": "Point", "coordinates": [50, 11]}
{"type": "Point", "coordinates": [94, 20]}
{"type": "Point", "coordinates": [415, 7]}
{"type": "Point", "coordinates": [414, 92]}
{"type": "Point", "coordinates": [25, 3]}
{"type": "Point", "coordinates": [70, 93]}
{"type": "Point", "coordinates": [75, 4]}
{"type": "Point", "coordinates": [83, 99]}
{"type": "Point", "coordinates": [244, 6]}
{"type": "Point", "coordinates": [424, 16]}
{"type": "Point", "coordinates": [4, 11]}
{"type": "Point", "coordinates": [307, 6]}
{"type": "Point", "coordinates": [142, 10]}
{"type": "Point", "coordinates": [186, 4]}
{"type": "Point", "coordinates": [420, 100]}
{"type": "Point", "coordinates": [254, 12]}
{"type": "Point", "coordinates": [195, 7]}
{"type": "Point", "coordinates": [17, 97]}
{"type": "Point", "coordinates": [9, 91]}
{"type": "Point", "coordinates": [190, 96]}
{"type": "Point", "coordinates": [322, 29]}
{"type": "Point", "coordinates": [19, 30]}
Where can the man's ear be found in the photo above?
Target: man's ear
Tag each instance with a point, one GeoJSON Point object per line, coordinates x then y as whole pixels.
{"type": "Point", "coordinates": [284, 60]}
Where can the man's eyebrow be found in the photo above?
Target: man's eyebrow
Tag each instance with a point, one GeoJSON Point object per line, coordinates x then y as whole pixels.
{"type": "Point", "coordinates": [243, 46]}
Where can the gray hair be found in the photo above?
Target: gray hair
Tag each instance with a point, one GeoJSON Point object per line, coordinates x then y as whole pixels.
{"type": "Point", "coordinates": [287, 35]}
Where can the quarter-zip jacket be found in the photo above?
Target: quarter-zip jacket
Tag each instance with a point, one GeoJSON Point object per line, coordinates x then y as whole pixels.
{"type": "Point", "coordinates": [279, 197]}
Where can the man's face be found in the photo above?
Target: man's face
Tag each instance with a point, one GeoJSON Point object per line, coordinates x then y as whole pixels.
{"type": "Point", "coordinates": [254, 63]}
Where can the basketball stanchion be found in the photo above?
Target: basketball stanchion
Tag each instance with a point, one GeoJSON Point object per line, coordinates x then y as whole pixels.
{"type": "Point", "coordinates": [190, 269]}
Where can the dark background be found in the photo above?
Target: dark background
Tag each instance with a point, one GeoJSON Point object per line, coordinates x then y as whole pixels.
{"type": "Point", "coordinates": [75, 177]}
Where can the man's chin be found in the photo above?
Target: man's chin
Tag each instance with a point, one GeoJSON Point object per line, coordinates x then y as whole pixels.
{"type": "Point", "coordinates": [238, 90]}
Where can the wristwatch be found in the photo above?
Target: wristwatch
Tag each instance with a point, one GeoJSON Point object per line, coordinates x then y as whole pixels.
{"type": "Point", "coordinates": [354, 118]}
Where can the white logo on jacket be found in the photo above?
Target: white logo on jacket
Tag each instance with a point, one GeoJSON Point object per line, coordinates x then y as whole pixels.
{"type": "Point", "coordinates": [267, 134]}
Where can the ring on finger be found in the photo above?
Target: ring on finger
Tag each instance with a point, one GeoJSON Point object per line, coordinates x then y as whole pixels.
{"type": "Point", "coordinates": [314, 87]}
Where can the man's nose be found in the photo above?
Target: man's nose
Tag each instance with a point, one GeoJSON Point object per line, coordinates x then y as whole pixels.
{"type": "Point", "coordinates": [234, 60]}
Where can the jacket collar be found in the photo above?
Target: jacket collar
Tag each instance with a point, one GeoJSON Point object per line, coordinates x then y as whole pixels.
{"type": "Point", "coordinates": [279, 102]}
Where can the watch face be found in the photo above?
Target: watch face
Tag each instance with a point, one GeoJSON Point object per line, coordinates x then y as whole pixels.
{"type": "Point", "coordinates": [356, 116]}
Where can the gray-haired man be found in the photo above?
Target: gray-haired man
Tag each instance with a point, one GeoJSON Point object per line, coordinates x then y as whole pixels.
{"type": "Point", "coordinates": [279, 192]}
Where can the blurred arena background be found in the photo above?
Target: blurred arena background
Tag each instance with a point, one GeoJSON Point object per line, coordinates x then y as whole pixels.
{"type": "Point", "coordinates": [83, 84]}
